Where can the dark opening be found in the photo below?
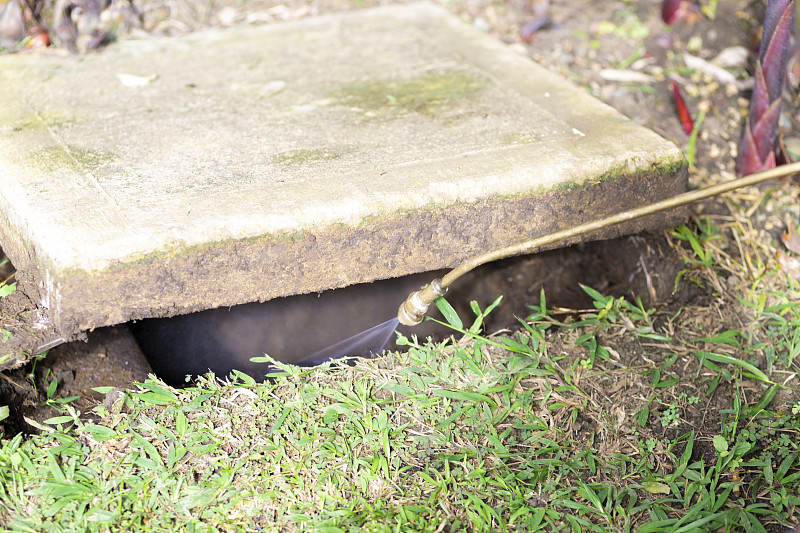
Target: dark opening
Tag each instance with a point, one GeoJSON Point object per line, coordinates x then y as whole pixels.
{"type": "Point", "coordinates": [291, 329]}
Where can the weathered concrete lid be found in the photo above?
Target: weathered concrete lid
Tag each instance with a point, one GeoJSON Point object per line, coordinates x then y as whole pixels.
{"type": "Point", "coordinates": [249, 163]}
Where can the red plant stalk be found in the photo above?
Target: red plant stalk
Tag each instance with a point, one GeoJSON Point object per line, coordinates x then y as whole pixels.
{"type": "Point", "coordinates": [683, 111]}
{"type": "Point", "coordinates": [674, 10]}
{"type": "Point", "coordinates": [757, 150]}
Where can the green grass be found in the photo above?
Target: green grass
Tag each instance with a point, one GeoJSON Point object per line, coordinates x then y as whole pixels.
{"type": "Point", "coordinates": [484, 434]}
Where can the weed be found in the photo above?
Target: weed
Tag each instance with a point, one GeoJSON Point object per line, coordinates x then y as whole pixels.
{"type": "Point", "coordinates": [671, 415]}
{"type": "Point", "coordinates": [691, 149]}
{"type": "Point", "coordinates": [612, 312]}
{"type": "Point", "coordinates": [7, 288]}
{"type": "Point", "coordinates": [703, 257]}
{"type": "Point", "coordinates": [709, 9]}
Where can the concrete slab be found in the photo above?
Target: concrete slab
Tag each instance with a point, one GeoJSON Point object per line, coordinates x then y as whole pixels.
{"type": "Point", "coordinates": [165, 176]}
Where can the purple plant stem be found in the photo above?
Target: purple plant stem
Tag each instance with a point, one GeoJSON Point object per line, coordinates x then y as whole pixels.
{"type": "Point", "coordinates": [757, 150]}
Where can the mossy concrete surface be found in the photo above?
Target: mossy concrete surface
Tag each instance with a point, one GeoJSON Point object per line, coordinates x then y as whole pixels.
{"type": "Point", "coordinates": [168, 175]}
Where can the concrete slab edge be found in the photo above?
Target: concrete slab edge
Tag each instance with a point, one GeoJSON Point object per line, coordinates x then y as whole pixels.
{"type": "Point", "coordinates": [307, 262]}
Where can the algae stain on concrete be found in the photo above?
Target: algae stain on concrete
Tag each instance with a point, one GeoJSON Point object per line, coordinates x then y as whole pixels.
{"type": "Point", "coordinates": [624, 170]}
{"type": "Point", "coordinates": [55, 119]}
{"type": "Point", "coordinates": [55, 158]}
{"type": "Point", "coordinates": [425, 95]}
{"type": "Point", "coordinates": [181, 251]}
{"type": "Point", "coordinates": [299, 157]}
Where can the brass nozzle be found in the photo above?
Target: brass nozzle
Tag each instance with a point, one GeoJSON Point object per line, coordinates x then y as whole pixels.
{"type": "Point", "coordinates": [416, 305]}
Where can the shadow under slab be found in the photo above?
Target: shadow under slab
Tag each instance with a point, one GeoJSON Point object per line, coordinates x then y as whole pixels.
{"type": "Point", "coordinates": [290, 329]}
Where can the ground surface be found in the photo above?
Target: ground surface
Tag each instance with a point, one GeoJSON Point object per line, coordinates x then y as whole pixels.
{"type": "Point", "coordinates": [587, 42]}
{"type": "Point", "coordinates": [623, 53]}
{"type": "Point", "coordinates": [579, 47]}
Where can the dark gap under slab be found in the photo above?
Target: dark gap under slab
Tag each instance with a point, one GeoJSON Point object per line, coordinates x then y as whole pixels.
{"type": "Point", "coordinates": [290, 329]}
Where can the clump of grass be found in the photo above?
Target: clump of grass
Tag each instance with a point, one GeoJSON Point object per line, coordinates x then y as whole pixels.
{"type": "Point", "coordinates": [484, 433]}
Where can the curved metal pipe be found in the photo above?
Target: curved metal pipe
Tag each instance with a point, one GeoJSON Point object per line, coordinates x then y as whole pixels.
{"type": "Point", "coordinates": [413, 310]}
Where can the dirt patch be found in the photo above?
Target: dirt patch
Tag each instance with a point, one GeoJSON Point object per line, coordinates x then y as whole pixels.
{"type": "Point", "coordinates": [29, 330]}
{"type": "Point", "coordinates": [109, 358]}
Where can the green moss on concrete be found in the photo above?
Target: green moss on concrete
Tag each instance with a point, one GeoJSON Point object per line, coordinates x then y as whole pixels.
{"type": "Point", "coordinates": [524, 137]}
{"type": "Point", "coordinates": [663, 168]}
{"type": "Point", "coordinates": [52, 118]}
{"type": "Point", "coordinates": [179, 251]}
{"type": "Point", "coordinates": [55, 158]}
{"type": "Point", "coordinates": [299, 157]}
{"type": "Point", "coordinates": [92, 158]}
{"type": "Point", "coordinates": [423, 94]}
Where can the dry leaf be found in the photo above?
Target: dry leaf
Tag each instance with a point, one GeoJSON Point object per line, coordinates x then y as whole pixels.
{"type": "Point", "coordinates": [789, 264]}
{"type": "Point", "coordinates": [654, 487]}
{"type": "Point", "coordinates": [791, 240]}
{"type": "Point", "coordinates": [131, 80]}
{"type": "Point", "coordinates": [701, 65]}
{"type": "Point", "coordinates": [625, 76]}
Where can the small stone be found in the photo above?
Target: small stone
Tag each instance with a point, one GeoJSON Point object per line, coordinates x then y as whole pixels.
{"type": "Point", "coordinates": [482, 24]}
{"type": "Point", "coordinates": [227, 16]}
{"type": "Point", "coordinates": [12, 23]}
{"type": "Point", "coordinates": [792, 144]}
{"type": "Point", "coordinates": [114, 400]}
{"type": "Point", "coordinates": [732, 57]}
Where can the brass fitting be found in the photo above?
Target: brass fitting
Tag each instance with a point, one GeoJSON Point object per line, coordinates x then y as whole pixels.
{"type": "Point", "coordinates": [416, 305]}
